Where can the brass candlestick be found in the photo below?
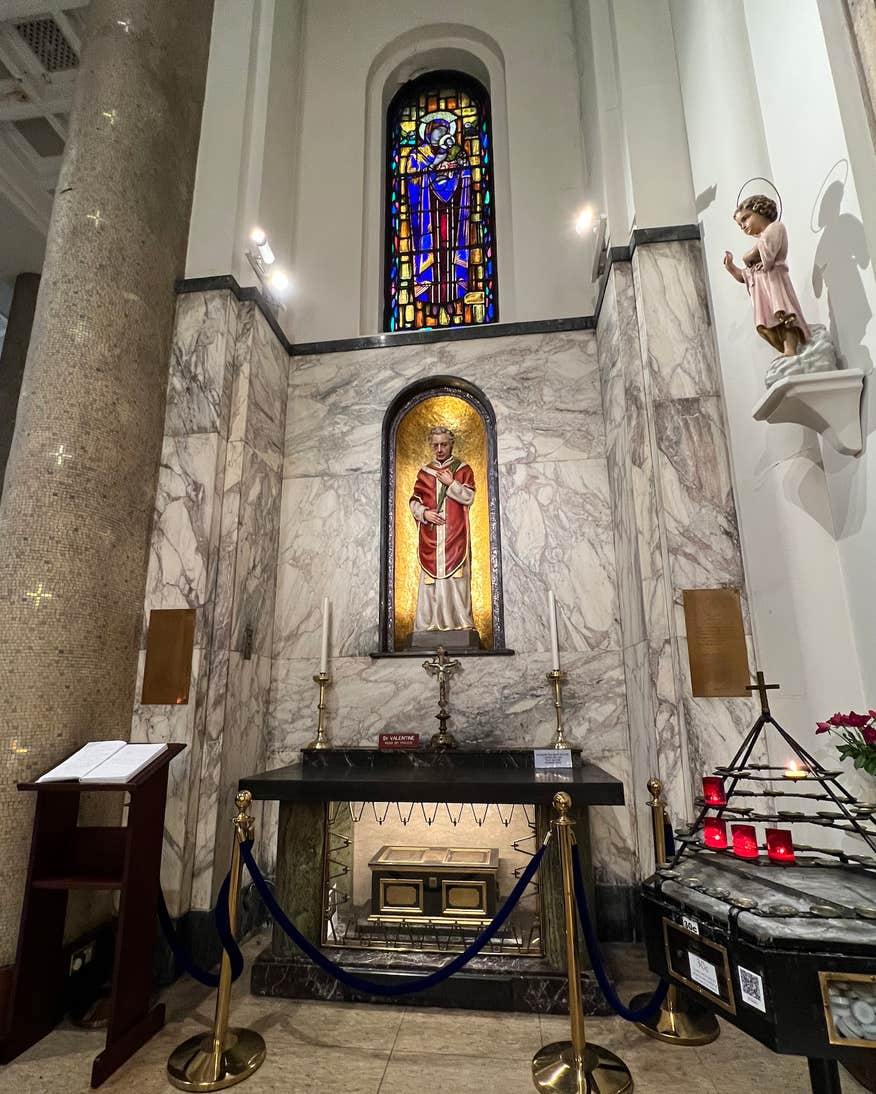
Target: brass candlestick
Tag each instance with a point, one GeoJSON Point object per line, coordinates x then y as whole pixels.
{"type": "Point", "coordinates": [321, 741]}
{"type": "Point", "coordinates": [575, 1067]}
{"type": "Point", "coordinates": [226, 1055]}
{"type": "Point", "coordinates": [556, 677]}
{"type": "Point", "coordinates": [680, 1021]}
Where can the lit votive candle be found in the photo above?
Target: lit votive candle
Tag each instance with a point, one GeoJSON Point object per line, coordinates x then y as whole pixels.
{"type": "Point", "coordinates": [713, 790]}
{"type": "Point", "coordinates": [780, 846]}
{"type": "Point", "coordinates": [715, 833]}
{"type": "Point", "coordinates": [794, 771]}
{"type": "Point", "coordinates": [744, 840]}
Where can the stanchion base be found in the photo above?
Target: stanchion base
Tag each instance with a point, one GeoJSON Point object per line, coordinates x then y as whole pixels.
{"type": "Point", "coordinates": [554, 1070]}
{"type": "Point", "coordinates": [686, 1024]}
{"type": "Point", "coordinates": [190, 1066]}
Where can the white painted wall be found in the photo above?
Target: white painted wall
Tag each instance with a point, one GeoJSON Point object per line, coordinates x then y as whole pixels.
{"type": "Point", "coordinates": [246, 158]}
{"type": "Point", "coordinates": [529, 52]}
{"type": "Point", "coordinates": [759, 100]}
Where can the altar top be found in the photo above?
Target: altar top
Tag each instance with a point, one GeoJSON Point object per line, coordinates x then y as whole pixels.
{"type": "Point", "coordinates": [506, 776]}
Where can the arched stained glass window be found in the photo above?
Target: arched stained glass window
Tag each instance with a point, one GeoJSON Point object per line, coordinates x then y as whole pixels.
{"type": "Point", "coordinates": [440, 234]}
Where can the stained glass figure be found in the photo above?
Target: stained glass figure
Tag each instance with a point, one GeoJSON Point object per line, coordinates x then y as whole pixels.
{"type": "Point", "coordinates": [441, 260]}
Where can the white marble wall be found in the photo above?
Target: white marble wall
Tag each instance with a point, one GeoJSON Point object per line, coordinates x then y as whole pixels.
{"type": "Point", "coordinates": [675, 517]}
{"type": "Point", "coordinates": [556, 533]}
{"type": "Point", "coordinates": [214, 548]}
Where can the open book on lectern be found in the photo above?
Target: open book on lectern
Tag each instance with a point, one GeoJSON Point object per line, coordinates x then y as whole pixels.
{"type": "Point", "coordinates": [104, 762]}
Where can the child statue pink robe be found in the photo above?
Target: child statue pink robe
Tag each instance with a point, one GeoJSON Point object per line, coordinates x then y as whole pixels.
{"type": "Point", "coordinates": [776, 306]}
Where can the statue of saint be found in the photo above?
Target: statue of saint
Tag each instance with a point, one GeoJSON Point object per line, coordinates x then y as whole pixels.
{"type": "Point", "coordinates": [442, 494]}
{"type": "Point", "coordinates": [778, 316]}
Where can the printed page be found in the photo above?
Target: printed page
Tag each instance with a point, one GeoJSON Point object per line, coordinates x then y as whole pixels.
{"type": "Point", "coordinates": [80, 763]}
{"type": "Point", "coordinates": [124, 764]}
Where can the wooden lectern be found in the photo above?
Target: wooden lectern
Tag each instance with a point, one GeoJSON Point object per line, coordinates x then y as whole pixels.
{"type": "Point", "coordinates": [64, 856]}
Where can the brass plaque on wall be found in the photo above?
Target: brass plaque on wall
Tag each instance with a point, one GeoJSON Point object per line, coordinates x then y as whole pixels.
{"type": "Point", "coordinates": [169, 643]}
{"type": "Point", "coordinates": [715, 642]}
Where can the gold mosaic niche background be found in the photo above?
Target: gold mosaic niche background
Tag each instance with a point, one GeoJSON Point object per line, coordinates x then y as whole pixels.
{"type": "Point", "coordinates": [412, 451]}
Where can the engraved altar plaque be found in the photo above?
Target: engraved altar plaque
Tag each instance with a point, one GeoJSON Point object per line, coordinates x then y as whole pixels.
{"type": "Point", "coordinates": [715, 642]}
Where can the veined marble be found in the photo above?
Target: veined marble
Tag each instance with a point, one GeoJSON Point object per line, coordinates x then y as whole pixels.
{"type": "Point", "coordinates": [543, 388]}
{"type": "Point", "coordinates": [214, 547]}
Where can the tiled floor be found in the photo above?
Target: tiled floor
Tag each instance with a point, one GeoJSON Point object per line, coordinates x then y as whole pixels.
{"type": "Point", "coordinates": [322, 1047]}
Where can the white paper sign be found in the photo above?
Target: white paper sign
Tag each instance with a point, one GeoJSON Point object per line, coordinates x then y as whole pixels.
{"type": "Point", "coordinates": [751, 988]}
{"type": "Point", "coordinates": [704, 974]}
{"type": "Point", "coordinates": [552, 757]}
{"type": "Point", "coordinates": [690, 924]}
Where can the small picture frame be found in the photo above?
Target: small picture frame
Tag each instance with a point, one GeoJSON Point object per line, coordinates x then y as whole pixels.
{"type": "Point", "coordinates": [849, 1008]}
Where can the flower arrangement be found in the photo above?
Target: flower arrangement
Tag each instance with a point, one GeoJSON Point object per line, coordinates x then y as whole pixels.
{"type": "Point", "coordinates": [858, 732]}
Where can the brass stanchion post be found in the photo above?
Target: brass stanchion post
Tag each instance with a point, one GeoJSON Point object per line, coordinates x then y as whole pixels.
{"type": "Point", "coordinates": [575, 1067]}
{"type": "Point", "coordinates": [680, 1021]}
{"type": "Point", "coordinates": [226, 1055]}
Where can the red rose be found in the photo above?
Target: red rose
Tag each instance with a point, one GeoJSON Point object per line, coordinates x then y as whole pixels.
{"type": "Point", "coordinates": [858, 721]}
{"type": "Point", "coordinates": [869, 735]}
{"type": "Point", "coordinates": [823, 727]}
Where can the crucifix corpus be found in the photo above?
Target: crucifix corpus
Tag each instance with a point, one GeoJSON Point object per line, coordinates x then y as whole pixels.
{"type": "Point", "coordinates": [441, 667]}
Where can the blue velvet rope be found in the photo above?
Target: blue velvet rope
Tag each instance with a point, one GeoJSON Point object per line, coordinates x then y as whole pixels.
{"type": "Point", "coordinates": [656, 1001]}
{"type": "Point", "coordinates": [226, 936]}
{"type": "Point", "coordinates": [368, 987]}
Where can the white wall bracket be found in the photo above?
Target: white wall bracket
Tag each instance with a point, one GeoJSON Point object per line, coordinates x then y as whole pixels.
{"type": "Point", "coordinates": [828, 402]}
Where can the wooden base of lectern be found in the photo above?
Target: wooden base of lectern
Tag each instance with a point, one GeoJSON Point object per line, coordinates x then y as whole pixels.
{"type": "Point", "coordinates": [64, 856]}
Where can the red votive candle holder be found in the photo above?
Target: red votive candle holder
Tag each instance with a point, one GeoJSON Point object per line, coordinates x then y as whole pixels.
{"type": "Point", "coordinates": [780, 846]}
{"type": "Point", "coordinates": [744, 840]}
{"type": "Point", "coordinates": [713, 790]}
{"type": "Point", "coordinates": [715, 833]}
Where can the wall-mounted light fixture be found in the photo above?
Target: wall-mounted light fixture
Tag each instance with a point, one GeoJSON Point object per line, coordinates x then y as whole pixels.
{"type": "Point", "coordinates": [274, 281]}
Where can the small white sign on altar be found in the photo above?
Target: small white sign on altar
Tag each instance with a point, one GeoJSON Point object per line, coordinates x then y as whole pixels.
{"type": "Point", "coordinates": [550, 759]}
{"type": "Point", "coordinates": [703, 973]}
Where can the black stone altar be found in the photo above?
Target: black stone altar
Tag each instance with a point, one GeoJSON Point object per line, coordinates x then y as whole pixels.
{"type": "Point", "coordinates": [491, 981]}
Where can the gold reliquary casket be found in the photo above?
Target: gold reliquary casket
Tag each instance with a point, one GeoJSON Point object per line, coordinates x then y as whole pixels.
{"type": "Point", "coordinates": [434, 884]}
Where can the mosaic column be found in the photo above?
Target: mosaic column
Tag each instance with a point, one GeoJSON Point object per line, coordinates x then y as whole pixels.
{"type": "Point", "coordinates": [12, 359]}
{"type": "Point", "coordinates": [80, 485]}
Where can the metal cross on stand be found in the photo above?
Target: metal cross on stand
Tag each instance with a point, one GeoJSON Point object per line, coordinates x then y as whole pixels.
{"type": "Point", "coordinates": [442, 668]}
{"type": "Point", "coordinates": [761, 687]}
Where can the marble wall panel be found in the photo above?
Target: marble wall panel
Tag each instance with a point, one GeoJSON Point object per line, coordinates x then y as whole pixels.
{"type": "Point", "coordinates": [557, 534]}
{"type": "Point", "coordinates": [258, 542]}
{"type": "Point", "coordinates": [675, 320]}
{"type": "Point", "coordinates": [329, 546]}
{"type": "Point", "coordinates": [697, 493]}
{"type": "Point", "coordinates": [543, 388]}
{"type": "Point", "coordinates": [258, 405]}
{"type": "Point", "coordinates": [198, 393]}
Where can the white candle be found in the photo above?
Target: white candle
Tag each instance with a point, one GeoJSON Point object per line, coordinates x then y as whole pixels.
{"type": "Point", "coordinates": [555, 647]}
{"type": "Point", "coordinates": [323, 660]}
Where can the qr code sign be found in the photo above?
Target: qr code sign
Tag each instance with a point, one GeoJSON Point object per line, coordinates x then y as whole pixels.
{"type": "Point", "coordinates": [751, 988]}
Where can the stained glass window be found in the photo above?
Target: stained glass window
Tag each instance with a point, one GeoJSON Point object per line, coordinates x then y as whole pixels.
{"type": "Point", "coordinates": [441, 240]}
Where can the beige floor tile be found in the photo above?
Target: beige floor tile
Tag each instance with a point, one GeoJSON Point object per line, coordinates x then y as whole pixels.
{"type": "Point", "coordinates": [479, 1034]}
{"type": "Point", "coordinates": [445, 1074]}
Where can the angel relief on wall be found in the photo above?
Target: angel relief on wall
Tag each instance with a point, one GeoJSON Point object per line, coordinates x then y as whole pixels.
{"type": "Point", "coordinates": [441, 579]}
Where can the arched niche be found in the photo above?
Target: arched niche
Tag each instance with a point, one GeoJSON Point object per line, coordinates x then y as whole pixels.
{"type": "Point", "coordinates": [454, 402]}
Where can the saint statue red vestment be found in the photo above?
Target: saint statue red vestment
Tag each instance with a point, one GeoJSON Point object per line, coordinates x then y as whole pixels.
{"type": "Point", "coordinates": [443, 548]}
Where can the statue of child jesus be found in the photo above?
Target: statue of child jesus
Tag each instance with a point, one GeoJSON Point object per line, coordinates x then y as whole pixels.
{"type": "Point", "coordinates": [777, 313]}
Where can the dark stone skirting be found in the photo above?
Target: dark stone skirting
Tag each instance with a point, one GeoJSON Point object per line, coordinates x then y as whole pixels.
{"type": "Point", "coordinates": [487, 983]}
{"type": "Point", "coordinates": [673, 233]}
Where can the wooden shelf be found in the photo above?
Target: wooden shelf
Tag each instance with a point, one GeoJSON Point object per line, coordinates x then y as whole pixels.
{"type": "Point", "coordinates": [83, 881]}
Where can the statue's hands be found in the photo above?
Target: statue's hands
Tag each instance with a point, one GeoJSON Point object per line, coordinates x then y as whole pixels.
{"type": "Point", "coordinates": [731, 267]}
{"type": "Point", "coordinates": [444, 475]}
{"type": "Point", "coordinates": [432, 516]}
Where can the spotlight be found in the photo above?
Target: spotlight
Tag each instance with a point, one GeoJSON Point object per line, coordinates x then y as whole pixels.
{"type": "Point", "coordinates": [258, 236]}
{"type": "Point", "coordinates": [278, 281]}
{"type": "Point", "coordinates": [584, 220]}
